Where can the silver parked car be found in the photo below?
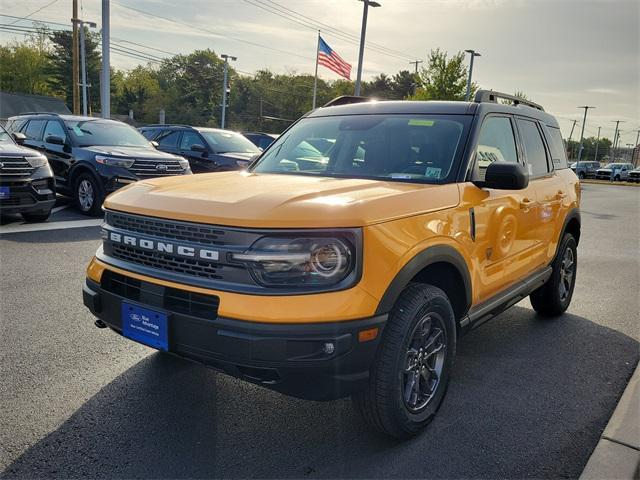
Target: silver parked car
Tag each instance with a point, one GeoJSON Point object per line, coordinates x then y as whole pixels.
{"type": "Point", "coordinates": [634, 175]}
{"type": "Point", "coordinates": [614, 171]}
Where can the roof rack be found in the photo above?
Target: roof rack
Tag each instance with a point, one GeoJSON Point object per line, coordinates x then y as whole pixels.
{"type": "Point", "coordinates": [346, 100]}
{"type": "Point", "coordinates": [167, 125]}
{"type": "Point", "coordinates": [491, 96]}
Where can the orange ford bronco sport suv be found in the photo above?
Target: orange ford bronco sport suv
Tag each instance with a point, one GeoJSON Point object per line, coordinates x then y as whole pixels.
{"type": "Point", "coordinates": [352, 255]}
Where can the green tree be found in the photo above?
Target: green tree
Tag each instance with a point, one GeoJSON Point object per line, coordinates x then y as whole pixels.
{"type": "Point", "coordinates": [61, 65]}
{"type": "Point", "coordinates": [443, 78]}
{"type": "Point", "coordinates": [404, 84]}
{"type": "Point", "coordinates": [24, 65]}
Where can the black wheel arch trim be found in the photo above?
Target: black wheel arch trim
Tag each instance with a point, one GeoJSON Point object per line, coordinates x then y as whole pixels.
{"type": "Point", "coordinates": [80, 168]}
{"type": "Point", "coordinates": [574, 214]}
{"type": "Point", "coordinates": [429, 256]}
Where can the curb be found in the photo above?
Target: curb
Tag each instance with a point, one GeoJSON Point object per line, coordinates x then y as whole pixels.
{"type": "Point", "coordinates": [617, 454]}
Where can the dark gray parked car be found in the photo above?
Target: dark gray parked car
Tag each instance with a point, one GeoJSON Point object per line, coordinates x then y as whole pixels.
{"type": "Point", "coordinates": [585, 169]}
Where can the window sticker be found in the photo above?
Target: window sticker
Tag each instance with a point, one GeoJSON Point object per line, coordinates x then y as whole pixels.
{"type": "Point", "coordinates": [433, 172]}
{"type": "Point", "coordinates": [78, 131]}
{"type": "Point", "coordinates": [421, 123]}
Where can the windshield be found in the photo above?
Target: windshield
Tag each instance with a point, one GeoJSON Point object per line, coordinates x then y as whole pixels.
{"type": "Point", "coordinates": [415, 148]}
{"type": "Point", "coordinates": [5, 137]}
{"type": "Point", "coordinates": [224, 142]}
{"type": "Point", "coordinates": [88, 133]}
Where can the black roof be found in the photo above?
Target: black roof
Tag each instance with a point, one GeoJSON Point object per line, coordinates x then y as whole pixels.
{"type": "Point", "coordinates": [12, 104]}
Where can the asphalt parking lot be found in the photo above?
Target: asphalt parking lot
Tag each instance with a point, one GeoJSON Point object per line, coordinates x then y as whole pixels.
{"type": "Point", "coordinates": [529, 397]}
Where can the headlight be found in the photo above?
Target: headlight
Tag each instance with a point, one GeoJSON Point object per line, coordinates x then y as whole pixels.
{"type": "Point", "coordinates": [299, 261]}
{"type": "Point", "coordinates": [37, 161]}
{"type": "Point", "coordinates": [114, 161]}
{"type": "Point", "coordinates": [184, 163]}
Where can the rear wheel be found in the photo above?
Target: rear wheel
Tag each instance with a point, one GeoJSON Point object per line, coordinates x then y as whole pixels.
{"type": "Point", "coordinates": [89, 194]}
{"type": "Point", "coordinates": [616, 178]}
{"type": "Point", "coordinates": [554, 297]}
{"type": "Point", "coordinates": [410, 374]}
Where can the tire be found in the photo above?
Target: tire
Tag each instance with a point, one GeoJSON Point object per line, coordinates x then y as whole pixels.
{"type": "Point", "coordinates": [88, 194]}
{"type": "Point", "coordinates": [581, 175]}
{"type": "Point", "coordinates": [389, 403]}
{"type": "Point", "coordinates": [616, 178]}
{"type": "Point", "coordinates": [36, 216]}
{"type": "Point", "coordinates": [554, 297]}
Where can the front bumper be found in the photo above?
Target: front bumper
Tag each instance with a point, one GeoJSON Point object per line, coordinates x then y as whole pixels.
{"type": "Point", "coordinates": [24, 198]}
{"type": "Point", "coordinates": [289, 358]}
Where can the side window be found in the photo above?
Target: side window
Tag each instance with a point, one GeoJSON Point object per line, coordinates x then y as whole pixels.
{"type": "Point", "coordinates": [189, 139]}
{"type": "Point", "coordinates": [558, 151]}
{"type": "Point", "coordinates": [534, 150]}
{"type": "Point", "coordinates": [34, 129]}
{"type": "Point", "coordinates": [496, 144]}
{"type": "Point", "coordinates": [168, 139]}
{"type": "Point", "coordinates": [54, 128]}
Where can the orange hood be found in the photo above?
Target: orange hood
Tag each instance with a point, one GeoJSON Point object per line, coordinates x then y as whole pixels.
{"type": "Point", "coordinates": [280, 201]}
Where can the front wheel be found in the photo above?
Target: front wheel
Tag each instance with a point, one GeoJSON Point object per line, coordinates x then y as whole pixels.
{"type": "Point", "coordinates": [410, 374]}
{"type": "Point", "coordinates": [89, 194]}
{"type": "Point", "coordinates": [581, 175]}
{"type": "Point", "coordinates": [554, 297]}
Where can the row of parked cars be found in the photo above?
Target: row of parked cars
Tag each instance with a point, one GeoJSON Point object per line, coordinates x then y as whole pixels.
{"type": "Point", "coordinates": [616, 172]}
{"type": "Point", "coordinates": [87, 158]}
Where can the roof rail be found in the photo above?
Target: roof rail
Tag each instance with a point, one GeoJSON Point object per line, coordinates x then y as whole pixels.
{"type": "Point", "coordinates": [491, 96]}
{"type": "Point", "coordinates": [346, 100]}
{"type": "Point", "coordinates": [39, 113]}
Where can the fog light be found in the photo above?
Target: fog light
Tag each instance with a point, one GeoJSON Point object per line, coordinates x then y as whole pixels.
{"type": "Point", "coordinates": [328, 348]}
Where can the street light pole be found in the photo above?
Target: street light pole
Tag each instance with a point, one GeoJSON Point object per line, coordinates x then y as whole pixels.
{"type": "Point", "coordinates": [473, 54]}
{"type": "Point", "coordinates": [224, 86]}
{"type": "Point", "coordinates": [615, 140]}
{"type": "Point", "coordinates": [363, 33]}
{"type": "Point", "coordinates": [584, 120]}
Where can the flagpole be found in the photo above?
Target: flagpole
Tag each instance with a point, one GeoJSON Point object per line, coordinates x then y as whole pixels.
{"type": "Point", "coordinates": [315, 80]}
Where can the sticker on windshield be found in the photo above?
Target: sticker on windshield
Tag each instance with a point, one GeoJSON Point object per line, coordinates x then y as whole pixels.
{"type": "Point", "coordinates": [432, 172]}
{"type": "Point", "coordinates": [421, 123]}
{"type": "Point", "coordinates": [77, 130]}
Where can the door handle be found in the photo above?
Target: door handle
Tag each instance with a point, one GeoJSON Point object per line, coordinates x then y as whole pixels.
{"type": "Point", "coordinates": [561, 195]}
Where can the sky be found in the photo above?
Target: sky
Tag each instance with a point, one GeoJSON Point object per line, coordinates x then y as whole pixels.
{"type": "Point", "coordinates": [562, 53]}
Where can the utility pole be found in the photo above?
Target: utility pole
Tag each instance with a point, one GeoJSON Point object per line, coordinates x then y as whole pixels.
{"type": "Point", "coordinates": [75, 74]}
{"type": "Point", "coordinates": [473, 54]}
{"type": "Point", "coordinates": [612, 149]}
{"type": "Point", "coordinates": [571, 135]}
{"type": "Point", "coordinates": [635, 148]}
{"type": "Point", "coordinates": [363, 32]}
{"type": "Point", "coordinates": [416, 63]}
{"type": "Point", "coordinates": [584, 121]}
{"type": "Point", "coordinates": [315, 78]}
{"type": "Point", "coordinates": [105, 79]}
{"type": "Point", "coordinates": [595, 157]}
{"type": "Point", "coordinates": [83, 62]}
{"type": "Point", "coordinates": [224, 86]}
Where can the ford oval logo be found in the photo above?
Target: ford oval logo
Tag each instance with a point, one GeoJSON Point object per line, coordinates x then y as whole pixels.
{"type": "Point", "coordinates": [161, 167]}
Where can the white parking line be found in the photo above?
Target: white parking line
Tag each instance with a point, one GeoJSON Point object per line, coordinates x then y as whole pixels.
{"type": "Point", "coordinates": [62, 207]}
{"type": "Point", "coordinates": [38, 227]}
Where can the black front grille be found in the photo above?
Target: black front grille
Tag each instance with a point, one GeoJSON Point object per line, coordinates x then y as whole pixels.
{"type": "Point", "coordinates": [164, 261]}
{"type": "Point", "coordinates": [15, 167]}
{"type": "Point", "coordinates": [156, 168]}
{"type": "Point", "coordinates": [167, 298]}
{"type": "Point", "coordinates": [155, 227]}
{"type": "Point", "coordinates": [634, 174]}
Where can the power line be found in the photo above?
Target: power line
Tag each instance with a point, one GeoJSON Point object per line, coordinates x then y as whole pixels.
{"type": "Point", "coordinates": [330, 28]}
{"type": "Point", "coordinates": [210, 32]}
{"type": "Point", "coordinates": [312, 24]}
{"type": "Point", "coordinates": [34, 12]}
{"type": "Point", "coordinates": [34, 20]}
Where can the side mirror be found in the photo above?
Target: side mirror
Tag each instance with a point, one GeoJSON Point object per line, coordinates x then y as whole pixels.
{"type": "Point", "coordinates": [55, 140]}
{"type": "Point", "coordinates": [19, 137]}
{"type": "Point", "coordinates": [154, 144]}
{"type": "Point", "coordinates": [196, 147]}
{"type": "Point", "coordinates": [505, 176]}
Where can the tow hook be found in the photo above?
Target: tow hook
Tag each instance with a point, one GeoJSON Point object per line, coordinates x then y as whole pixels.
{"type": "Point", "coordinates": [100, 324]}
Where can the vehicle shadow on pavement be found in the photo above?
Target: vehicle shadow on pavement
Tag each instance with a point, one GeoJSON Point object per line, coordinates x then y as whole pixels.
{"type": "Point", "coordinates": [55, 236]}
{"type": "Point", "coordinates": [529, 399]}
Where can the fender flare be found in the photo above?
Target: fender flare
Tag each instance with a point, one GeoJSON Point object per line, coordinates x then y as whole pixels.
{"type": "Point", "coordinates": [429, 256]}
{"type": "Point", "coordinates": [574, 214]}
{"type": "Point", "coordinates": [79, 167]}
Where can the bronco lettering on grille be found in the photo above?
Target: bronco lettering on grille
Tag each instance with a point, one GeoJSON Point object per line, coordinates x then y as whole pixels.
{"type": "Point", "coordinates": [168, 247]}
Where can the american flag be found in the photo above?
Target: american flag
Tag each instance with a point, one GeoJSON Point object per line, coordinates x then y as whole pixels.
{"type": "Point", "coordinates": [332, 60]}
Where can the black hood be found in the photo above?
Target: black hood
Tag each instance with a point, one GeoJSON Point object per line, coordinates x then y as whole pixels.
{"type": "Point", "coordinates": [13, 150]}
{"type": "Point", "coordinates": [130, 152]}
